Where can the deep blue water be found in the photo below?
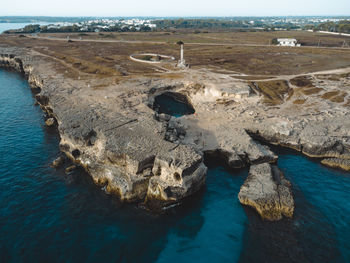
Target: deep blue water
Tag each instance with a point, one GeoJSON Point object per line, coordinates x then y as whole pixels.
{"type": "Point", "coordinates": [47, 216]}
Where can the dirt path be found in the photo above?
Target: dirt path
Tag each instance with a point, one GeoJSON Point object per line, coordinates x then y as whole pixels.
{"type": "Point", "coordinates": [289, 77]}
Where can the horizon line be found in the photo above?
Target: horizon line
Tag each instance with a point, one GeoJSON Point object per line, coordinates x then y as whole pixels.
{"type": "Point", "coordinates": [174, 16]}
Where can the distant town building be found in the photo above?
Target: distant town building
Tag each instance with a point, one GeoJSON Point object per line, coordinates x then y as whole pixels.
{"type": "Point", "coordinates": [288, 42]}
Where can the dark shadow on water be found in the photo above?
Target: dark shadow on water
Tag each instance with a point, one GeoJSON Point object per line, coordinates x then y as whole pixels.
{"type": "Point", "coordinates": [310, 236]}
{"type": "Point", "coordinates": [139, 235]}
{"type": "Point", "coordinates": [87, 225]}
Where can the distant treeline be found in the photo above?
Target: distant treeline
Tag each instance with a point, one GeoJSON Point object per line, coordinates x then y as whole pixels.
{"type": "Point", "coordinates": [197, 25]}
{"type": "Point", "coordinates": [29, 29]}
{"type": "Point", "coordinates": [200, 23]}
{"type": "Point", "coordinates": [340, 27]}
{"type": "Point", "coordinates": [219, 24]}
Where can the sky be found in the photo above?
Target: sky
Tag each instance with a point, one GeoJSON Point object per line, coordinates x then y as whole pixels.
{"type": "Point", "coordinates": [180, 8]}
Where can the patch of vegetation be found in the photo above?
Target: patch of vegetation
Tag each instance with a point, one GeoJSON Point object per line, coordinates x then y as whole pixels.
{"type": "Point", "coordinates": [88, 67]}
{"type": "Point", "coordinates": [147, 58]}
{"type": "Point", "coordinates": [335, 96]}
{"type": "Point", "coordinates": [330, 94]}
{"type": "Point", "coordinates": [299, 101]}
{"type": "Point", "coordinates": [342, 26]}
{"type": "Point", "coordinates": [310, 91]}
{"type": "Point", "coordinates": [302, 81]}
{"type": "Point", "coordinates": [110, 35]}
{"type": "Point", "coordinates": [305, 85]}
{"type": "Point", "coordinates": [274, 92]}
{"type": "Point", "coordinates": [200, 23]}
{"type": "Point", "coordinates": [340, 98]}
{"type": "Point", "coordinates": [274, 41]}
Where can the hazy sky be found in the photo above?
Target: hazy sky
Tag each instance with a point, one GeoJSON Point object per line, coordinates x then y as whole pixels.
{"type": "Point", "coordinates": [173, 7]}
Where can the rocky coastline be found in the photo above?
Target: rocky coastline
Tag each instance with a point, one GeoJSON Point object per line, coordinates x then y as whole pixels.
{"type": "Point", "coordinates": [142, 156]}
{"type": "Point", "coordinates": [120, 161]}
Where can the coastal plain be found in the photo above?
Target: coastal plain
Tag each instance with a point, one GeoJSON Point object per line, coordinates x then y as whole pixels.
{"type": "Point", "coordinates": [245, 93]}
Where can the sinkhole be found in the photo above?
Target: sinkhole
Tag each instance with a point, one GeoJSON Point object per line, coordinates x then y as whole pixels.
{"type": "Point", "coordinates": [174, 104]}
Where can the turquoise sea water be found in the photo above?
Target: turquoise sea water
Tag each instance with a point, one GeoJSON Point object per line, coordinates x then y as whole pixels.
{"type": "Point", "coordinates": [7, 26]}
{"type": "Point", "coordinates": [47, 216]}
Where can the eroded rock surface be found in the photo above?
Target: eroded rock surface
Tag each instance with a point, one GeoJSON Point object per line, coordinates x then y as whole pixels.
{"type": "Point", "coordinates": [50, 122]}
{"type": "Point", "coordinates": [340, 163]}
{"type": "Point", "coordinates": [115, 138]}
{"type": "Point", "coordinates": [109, 127]}
{"type": "Point", "coordinates": [268, 192]}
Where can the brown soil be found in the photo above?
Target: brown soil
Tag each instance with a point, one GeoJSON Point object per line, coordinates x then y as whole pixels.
{"type": "Point", "coordinates": [111, 59]}
{"type": "Point", "coordinates": [340, 98]}
{"type": "Point", "coordinates": [335, 96]}
{"type": "Point", "coordinates": [310, 91]}
{"type": "Point", "coordinates": [259, 38]}
{"type": "Point", "coordinates": [299, 101]}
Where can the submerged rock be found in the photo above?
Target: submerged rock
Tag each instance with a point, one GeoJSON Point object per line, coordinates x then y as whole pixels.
{"type": "Point", "coordinates": [70, 168]}
{"type": "Point", "coordinates": [58, 161]}
{"type": "Point", "coordinates": [268, 191]}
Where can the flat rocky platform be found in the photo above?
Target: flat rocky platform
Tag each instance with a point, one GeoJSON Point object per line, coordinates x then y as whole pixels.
{"type": "Point", "coordinates": [107, 123]}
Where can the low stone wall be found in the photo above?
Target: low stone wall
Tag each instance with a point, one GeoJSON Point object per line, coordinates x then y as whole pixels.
{"type": "Point", "coordinates": [132, 57]}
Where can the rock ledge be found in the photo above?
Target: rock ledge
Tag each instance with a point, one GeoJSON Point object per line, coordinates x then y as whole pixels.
{"type": "Point", "coordinates": [268, 192]}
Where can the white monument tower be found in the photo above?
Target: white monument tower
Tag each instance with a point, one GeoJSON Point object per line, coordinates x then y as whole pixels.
{"type": "Point", "coordinates": [181, 63]}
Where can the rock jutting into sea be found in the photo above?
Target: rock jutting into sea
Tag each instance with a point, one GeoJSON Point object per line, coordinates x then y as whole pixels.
{"type": "Point", "coordinates": [341, 163]}
{"type": "Point", "coordinates": [268, 192]}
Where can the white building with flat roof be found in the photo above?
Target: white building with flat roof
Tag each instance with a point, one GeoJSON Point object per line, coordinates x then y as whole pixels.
{"type": "Point", "coordinates": [288, 42]}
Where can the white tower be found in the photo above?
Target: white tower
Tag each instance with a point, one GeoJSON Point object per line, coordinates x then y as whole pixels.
{"type": "Point", "coordinates": [182, 54]}
{"type": "Point", "coordinates": [181, 63]}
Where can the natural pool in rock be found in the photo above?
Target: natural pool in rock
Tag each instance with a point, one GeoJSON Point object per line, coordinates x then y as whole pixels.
{"type": "Point", "coordinates": [173, 104]}
{"type": "Point", "coordinates": [47, 216]}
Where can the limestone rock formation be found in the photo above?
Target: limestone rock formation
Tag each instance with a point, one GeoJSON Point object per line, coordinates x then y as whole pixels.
{"type": "Point", "coordinates": [50, 122]}
{"type": "Point", "coordinates": [268, 192]}
{"type": "Point", "coordinates": [340, 163]}
{"type": "Point", "coordinates": [58, 161]}
{"type": "Point", "coordinates": [123, 151]}
{"type": "Point", "coordinates": [133, 152]}
{"type": "Point", "coordinates": [70, 168]}
{"type": "Point", "coordinates": [177, 174]}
